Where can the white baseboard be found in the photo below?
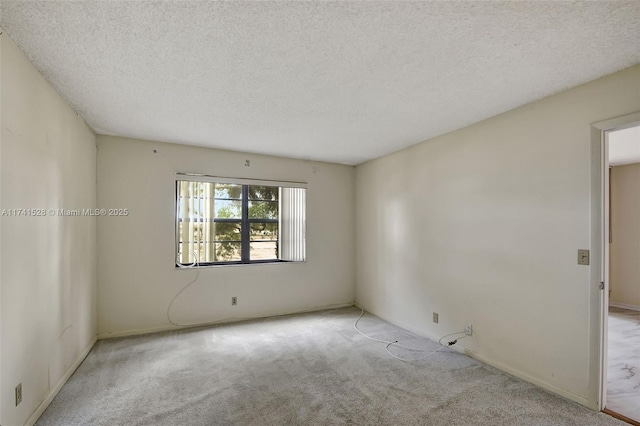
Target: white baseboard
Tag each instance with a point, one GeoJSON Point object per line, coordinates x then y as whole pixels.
{"type": "Point", "coordinates": [624, 306]}
{"type": "Point", "coordinates": [415, 331]}
{"type": "Point", "coordinates": [52, 394]}
{"type": "Point", "coordinates": [527, 378]}
{"type": "Point", "coordinates": [503, 367]}
{"type": "Point", "coordinates": [139, 331]}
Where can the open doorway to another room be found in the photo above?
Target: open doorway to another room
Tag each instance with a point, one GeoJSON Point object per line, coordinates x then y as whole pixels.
{"type": "Point", "coordinates": [623, 358]}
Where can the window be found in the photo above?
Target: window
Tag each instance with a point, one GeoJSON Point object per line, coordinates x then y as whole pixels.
{"type": "Point", "coordinates": [236, 221]}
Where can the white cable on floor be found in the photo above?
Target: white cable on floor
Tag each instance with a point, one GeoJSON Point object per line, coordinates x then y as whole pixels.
{"type": "Point", "coordinates": [409, 360]}
{"type": "Point", "coordinates": [389, 343]}
{"type": "Point", "coordinates": [370, 338]}
{"type": "Point", "coordinates": [196, 265]}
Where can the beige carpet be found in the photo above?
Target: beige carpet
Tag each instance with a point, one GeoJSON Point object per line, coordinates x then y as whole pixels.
{"type": "Point", "coordinates": [308, 369]}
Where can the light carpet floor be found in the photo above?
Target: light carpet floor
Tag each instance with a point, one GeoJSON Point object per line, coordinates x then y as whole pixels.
{"type": "Point", "coordinates": [623, 359]}
{"type": "Point", "coordinates": [307, 369]}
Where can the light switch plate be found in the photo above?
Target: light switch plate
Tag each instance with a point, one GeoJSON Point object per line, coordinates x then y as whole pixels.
{"type": "Point", "coordinates": [18, 394]}
{"type": "Point", "coordinates": [583, 257]}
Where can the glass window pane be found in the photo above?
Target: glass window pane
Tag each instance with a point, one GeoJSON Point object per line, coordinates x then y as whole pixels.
{"type": "Point", "coordinates": [263, 209]}
{"type": "Point", "coordinates": [263, 231]}
{"type": "Point", "coordinates": [200, 237]}
{"type": "Point", "coordinates": [228, 209]}
{"type": "Point", "coordinates": [227, 190]}
{"type": "Point", "coordinates": [264, 250]}
{"type": "Point", "coordinates": [228, 252]}
{"type": "Point", "coordinates": [263, 193]}
{"type": "Point", "coordinates": [227, 231]}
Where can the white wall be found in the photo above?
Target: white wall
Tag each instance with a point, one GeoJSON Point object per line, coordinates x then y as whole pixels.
{"type": "Point", "coordinates": [48, 269]}
{"type": "Point", "coordinates": [482, 225]}
{"type": "Point", "coordinates": [136, 274]}
{"type": "Point", "coordinates": [625, 248]}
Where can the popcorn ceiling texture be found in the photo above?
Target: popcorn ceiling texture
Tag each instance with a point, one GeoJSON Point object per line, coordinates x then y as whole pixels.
{"type": "Point", "coordinates": [341, 82]}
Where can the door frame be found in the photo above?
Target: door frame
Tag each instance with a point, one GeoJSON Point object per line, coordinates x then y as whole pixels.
{"type": "Point", "coordinates": [599, 268]}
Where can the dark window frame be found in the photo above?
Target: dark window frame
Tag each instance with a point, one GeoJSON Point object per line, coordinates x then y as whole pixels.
{"type": "Point", "coordinates": [245, 230]}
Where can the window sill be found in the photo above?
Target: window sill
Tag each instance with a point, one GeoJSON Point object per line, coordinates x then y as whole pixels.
{"type": "Point", "coordinates": [221, 264]}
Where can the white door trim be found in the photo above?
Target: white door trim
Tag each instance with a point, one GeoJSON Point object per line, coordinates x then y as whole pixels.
{"type": "Point", "coordinates": [600, 249]}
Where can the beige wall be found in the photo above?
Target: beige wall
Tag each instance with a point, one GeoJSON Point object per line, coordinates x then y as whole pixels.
{"type": "Point", "coordinates": [625, 247]}
{"type": "Point", "coordinates": [136, 274]}
{"type": "Point", "coordinates": [482, 225]}
{"type": "Point", "coordinates": [48, 266]}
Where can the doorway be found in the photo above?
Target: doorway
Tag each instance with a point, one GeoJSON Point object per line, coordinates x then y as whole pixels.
{"type": "Point", "coordinates": [623, 273]}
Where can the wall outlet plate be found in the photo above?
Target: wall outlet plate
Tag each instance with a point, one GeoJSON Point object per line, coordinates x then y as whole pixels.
{"type": "Point", "coordinates": [468, 330]}
{"type": "Point", "coordinates": [18, 394]}
{"type": "Point", "coordinates": [435, 317]}
{"type": "Point", "coordinates": [234, 301]}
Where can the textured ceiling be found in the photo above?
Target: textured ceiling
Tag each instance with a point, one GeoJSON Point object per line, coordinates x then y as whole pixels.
{"type": "Point", "coordinates": [624, 146]}
{"type": "Point", "coordinates": [333, 81]}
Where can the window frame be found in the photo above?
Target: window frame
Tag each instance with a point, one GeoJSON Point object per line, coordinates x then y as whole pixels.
{"type": "Point", "coordinates": [244, 220]}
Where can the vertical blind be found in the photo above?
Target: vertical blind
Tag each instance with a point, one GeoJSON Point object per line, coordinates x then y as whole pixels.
{"type": "Point", "coordinates": [195, 222]}
{"type": "Point", "coordinates": [293, 224]}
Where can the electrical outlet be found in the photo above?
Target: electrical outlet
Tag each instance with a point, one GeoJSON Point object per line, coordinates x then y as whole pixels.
{"type": "Point", "coordinates": [18, 394]}
{"type": "Point", "coordinates": [234, 301]}
{"type": "Point", "coordinates": [435, 317]}
{"type": "Point", "coordinates": [468, 330]}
